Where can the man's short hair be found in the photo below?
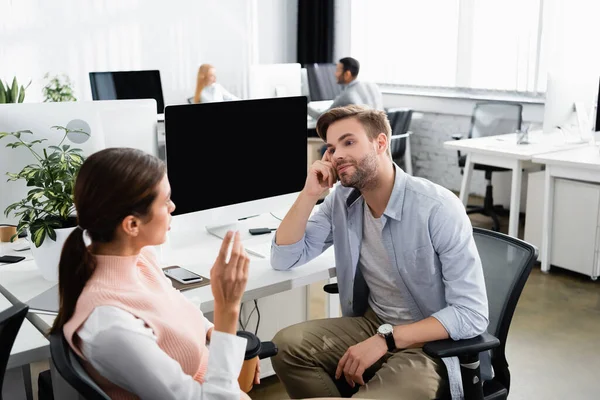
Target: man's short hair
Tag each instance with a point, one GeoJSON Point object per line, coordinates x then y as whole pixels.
{"type": "Point", "coordinates": [374, 121]}
{"type": "Point", "coordinates": [350, 64]}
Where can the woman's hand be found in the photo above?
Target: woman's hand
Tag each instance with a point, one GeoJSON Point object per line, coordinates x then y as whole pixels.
{"type": "Point", "coordinates": [228, 278]}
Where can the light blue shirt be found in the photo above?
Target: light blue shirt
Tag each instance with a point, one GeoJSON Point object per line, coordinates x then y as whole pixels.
{"type": "Point", "coordinates": [429, 239]}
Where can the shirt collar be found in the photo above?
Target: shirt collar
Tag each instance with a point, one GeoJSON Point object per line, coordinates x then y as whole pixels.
{"type": "Point", "coordinates": [396, 202]}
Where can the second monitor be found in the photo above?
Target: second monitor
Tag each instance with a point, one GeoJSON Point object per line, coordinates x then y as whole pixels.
{"type": "Point", "coordinates": [236, 159]}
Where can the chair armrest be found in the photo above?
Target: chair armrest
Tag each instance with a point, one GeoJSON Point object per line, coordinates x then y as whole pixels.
{"type": "Point", "coordinates": [401, 136]}
{"type": "Point", "coordinates": [466, 347]}
{"type": "Point", "coordinates": [331, 288]}
{"type": "Point", "coordinates": [457, 136]}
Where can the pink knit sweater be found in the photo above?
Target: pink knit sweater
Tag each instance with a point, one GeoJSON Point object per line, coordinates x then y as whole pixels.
{"type": "Point", "coordinates": [137, 285]}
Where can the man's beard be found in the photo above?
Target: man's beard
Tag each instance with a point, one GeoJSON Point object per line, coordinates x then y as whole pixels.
{"type": "Point", "coordinates": [364, 175]}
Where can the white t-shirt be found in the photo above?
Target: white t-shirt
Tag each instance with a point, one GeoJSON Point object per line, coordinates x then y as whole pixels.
{"type": "Point", "coordinates": [123, 349]}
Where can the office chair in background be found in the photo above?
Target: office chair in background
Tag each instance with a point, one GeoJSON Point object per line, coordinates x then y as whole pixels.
{"type": "Point", "coordinates": [491, 118]}
{"type": "Point", "coordinates": [11, 320]}
{"type": "Point", "coordinates": [507, 263]}
{"type": "Point", "coordinates": [322, 84]}
{"type": "Point", "coordinates": [400, 119]}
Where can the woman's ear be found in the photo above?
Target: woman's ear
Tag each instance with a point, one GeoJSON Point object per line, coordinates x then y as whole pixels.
{"type": "Point", "coordinates": [131, 225]}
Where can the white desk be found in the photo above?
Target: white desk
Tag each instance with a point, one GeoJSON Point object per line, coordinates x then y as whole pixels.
{"type": "Point", "coordinates": [582, 164]}
{"type": "Point", "coordinates": [503, 151]}
{"type": "Point", "coordinates": [192, 247]}
{"type": "Point", "coordinates": [30, 346]}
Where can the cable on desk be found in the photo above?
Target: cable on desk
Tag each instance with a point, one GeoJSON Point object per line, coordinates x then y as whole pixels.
{"type": "Point", "coordinates": [275, 216]}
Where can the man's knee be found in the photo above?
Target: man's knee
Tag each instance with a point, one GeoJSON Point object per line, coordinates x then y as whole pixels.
{"type": "Point", "coordinates": [288, 341]}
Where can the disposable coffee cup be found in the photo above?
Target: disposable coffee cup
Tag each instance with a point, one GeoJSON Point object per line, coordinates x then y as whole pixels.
{"type": "Point", "coordinates": [251, 359]}
{"type": "Point", "coordinates": [6, 232]}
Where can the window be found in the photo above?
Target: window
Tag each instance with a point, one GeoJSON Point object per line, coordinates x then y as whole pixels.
{"type": "Point", "coordinates": [500, 45]}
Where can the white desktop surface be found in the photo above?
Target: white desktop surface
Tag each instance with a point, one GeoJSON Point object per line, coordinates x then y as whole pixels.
{"type": "Point", "coordinates": [191, 247]}
{"type": "Point", "coordinates": [581, 164]}
{"type": "Point", "coordinates": [503, 151]}
{"type": "Point", "coordinates": [29, 346]}
{"type": "Point", "coordinates": [506, 145]}
{"type": "Point", "coordinates": [587, 157]}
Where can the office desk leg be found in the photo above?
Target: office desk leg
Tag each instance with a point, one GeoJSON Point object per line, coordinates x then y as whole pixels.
{"type": "Point", "coordinates": [547, 220]}
{"type": "Point", "coordinates": [466, 180]}
{"type": "Point", "coordinates": [515, 200]}
{"type": "Point", "coordinates": [333, 303]}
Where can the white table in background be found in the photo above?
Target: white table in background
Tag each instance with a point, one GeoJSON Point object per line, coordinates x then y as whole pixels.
{"type": "Point", "coordinates": [503, 151]}
{"type": "Point", "coordinates": [30, 346]}
{"type": "Point", "coordinates": [581, 164]}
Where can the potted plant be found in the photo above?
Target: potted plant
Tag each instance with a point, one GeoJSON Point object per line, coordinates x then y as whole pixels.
{"type": "Point", "coordinates": [58, 88]}
{"type": "Point", "coordinates": [12, 93]}
{"type": "Point", "coordinates": [47, 213]}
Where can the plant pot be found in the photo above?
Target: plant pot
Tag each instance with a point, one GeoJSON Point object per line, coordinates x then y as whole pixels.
{"type": "Point", "coordinates": [47, 256]}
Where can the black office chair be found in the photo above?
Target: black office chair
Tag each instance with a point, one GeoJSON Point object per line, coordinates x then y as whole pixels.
{"type": "Point", "coordinates": [400, 119]}
{"type": "Point", "coordinates": [69, 366]}
{"type": "Point", "coordinates": [491, 118]}
{"type": "Point", "coordinates": [507, 263]}
{"type": "Point", "coordinates": [322, 84]}
{"type": "Point", "coordinates": [11, 320]}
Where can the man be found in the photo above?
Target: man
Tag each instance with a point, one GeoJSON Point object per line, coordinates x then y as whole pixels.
{"type": "Point", "coordinates": [354, 91]}
{"type": "Point", "coordinates": [407, 268]}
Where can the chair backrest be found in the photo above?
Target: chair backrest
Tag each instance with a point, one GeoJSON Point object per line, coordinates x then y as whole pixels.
{"type": "Point", "coordinates": [68, 365]}
{"type": "Point", "coordinates": [11, 320]}
{"type": "Point", "coordinates": [400, 119]}
{"type": "Point", "coordinates": [495, 118]}
{"type": "Point", "coordinates": [507, 263]}
{"type": "Point", "coordinates": [322, 84]}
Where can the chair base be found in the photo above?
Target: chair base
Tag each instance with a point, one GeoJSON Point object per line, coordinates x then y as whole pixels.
{"type": "Point", "coordinates": [489, 209]}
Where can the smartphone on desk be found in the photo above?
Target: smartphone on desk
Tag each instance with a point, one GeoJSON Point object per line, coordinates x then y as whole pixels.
{"type": "Point", "coordinates": [183, 275]}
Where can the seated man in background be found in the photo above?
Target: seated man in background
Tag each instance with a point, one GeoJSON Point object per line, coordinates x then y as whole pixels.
{"type": "Point", "coordinates": [353, 90]}
{"type": "Point", "coordinates": [407, 267]}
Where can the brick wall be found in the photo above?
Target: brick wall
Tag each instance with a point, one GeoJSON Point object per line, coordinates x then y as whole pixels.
{"type": "Point", "coordinates": [432, 161]}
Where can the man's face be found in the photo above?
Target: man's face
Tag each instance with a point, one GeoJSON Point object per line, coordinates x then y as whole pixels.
{"type": "Point", "coordinates": [340, 76]}
{"type": "Point", "coordinates": [353, 156]}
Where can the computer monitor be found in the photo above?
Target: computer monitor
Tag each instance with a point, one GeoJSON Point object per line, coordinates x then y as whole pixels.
{"type": "Point", "coordinates": [275, 80]}
{"type": "Point", "coordinates": [206, 141]}
{"type": "Point", "coordinates": [569, 105]}
{"type": "Point", "coordinates": [110, 123]}
{"type": "Point", "coordinates": [124, 85]}
{"type": "Point", "coordinates": [322, 82]}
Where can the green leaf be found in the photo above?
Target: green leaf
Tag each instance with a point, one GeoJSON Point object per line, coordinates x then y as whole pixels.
{"type": "Point", "coordinates": [38, 236]}
{"type": "Point", "coordinates": [51, 232]}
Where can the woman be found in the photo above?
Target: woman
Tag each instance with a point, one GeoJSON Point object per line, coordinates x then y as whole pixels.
{"type": "Point", "coordinates": [207, 88]}
{"type": "Point", "coordinates": [138, 336]}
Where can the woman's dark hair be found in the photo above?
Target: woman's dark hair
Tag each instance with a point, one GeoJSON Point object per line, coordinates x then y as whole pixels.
{"type": "Point", "coordinates": [111, 184]}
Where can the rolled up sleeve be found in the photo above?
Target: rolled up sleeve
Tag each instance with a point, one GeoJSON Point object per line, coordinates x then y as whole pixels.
{"type": "Point", "coordinates": [466, 314]}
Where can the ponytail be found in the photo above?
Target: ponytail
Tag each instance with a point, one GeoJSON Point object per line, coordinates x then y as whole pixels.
{"type": "Point", "coordinates": [75, 268]}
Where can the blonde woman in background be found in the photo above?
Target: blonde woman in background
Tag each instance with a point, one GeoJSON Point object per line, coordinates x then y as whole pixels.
{"type": "Point", "coordinates": [207, 88]}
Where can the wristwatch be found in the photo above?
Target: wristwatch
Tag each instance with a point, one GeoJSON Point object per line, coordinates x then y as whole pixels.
{"type": "Point", "coordinates": [386, 331]}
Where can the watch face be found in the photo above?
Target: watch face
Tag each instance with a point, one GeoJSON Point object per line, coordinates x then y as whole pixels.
{"type": "Point", "coordinates": [385, 329]}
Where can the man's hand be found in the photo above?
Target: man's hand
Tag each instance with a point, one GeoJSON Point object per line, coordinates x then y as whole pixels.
{"type": "Point", "coordinates": [360, 357]}
{"type": "Point", "coordinates": [321, 176]}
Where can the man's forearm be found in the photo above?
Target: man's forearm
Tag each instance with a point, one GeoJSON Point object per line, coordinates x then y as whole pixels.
{"type": "Point", "coordinates": [292, 227]}
{"type": "Point", "coordinates": [419, 333]}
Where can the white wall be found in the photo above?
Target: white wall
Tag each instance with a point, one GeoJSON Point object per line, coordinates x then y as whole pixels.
{"type": "Point", "coordinates": [175, 37]}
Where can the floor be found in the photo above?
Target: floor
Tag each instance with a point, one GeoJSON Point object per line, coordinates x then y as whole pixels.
{"type": "Point", "coordinates": [553, 347]}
